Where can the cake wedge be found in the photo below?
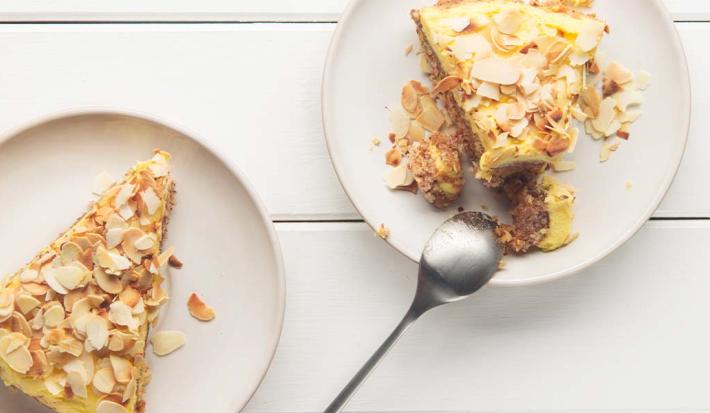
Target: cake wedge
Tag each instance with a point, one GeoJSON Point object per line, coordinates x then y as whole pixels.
{"type": "Point", "coordinates": [74, 320]}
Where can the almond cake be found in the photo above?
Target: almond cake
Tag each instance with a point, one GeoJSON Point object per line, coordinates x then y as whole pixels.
{"type": "Point", "coordinates": [508, 80]}
{"type": "Point", "coordinates": [74, 321]}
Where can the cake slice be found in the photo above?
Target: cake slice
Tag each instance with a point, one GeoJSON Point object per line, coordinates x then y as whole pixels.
{"type": "Point", "coordinates": [74, 320]}
{"type": "Point", "coordinates": [510, 75]}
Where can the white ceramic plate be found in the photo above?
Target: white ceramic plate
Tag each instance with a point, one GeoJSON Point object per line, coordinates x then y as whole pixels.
{"type": "Point", "coordinates": [219, 228]}
{"type": "Point", "coordinates": [366, 68]}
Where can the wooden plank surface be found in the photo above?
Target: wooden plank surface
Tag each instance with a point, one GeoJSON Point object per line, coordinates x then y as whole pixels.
{"type": "Point", "coordinates": [252, 91]}
{"type": "Point", "coordinates": [628, 335]}
{"type": "Point", "coordinates": [224, 10]}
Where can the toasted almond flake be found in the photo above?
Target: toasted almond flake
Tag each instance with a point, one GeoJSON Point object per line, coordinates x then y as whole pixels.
{"type": "Point", "coordinates": [509, 21]}
{"type": "Point", "coordinates": [399, 120]}
{"type": "Point", "coordinates": [577, 113]}
{"type": "Point", "coordinates": [49, 275]}
{"type": "Point", "coordinates": [53, 315]}
{"type": "Point", "coordinates": [77, 384]}
{"type": "Point", "coordinates": [628, 98]}
{"type": "Point", "coordinates": [457, 24]}
{"type": "Point", "coordinates": [590, 34]}
{"type": "Point", "coordinates": [121, 314]}
{"type": "Point", "coordinates": [410, 98]}
{"type": "Point", "coordinates": [144, 243]}
{"type": "Point", "coordinates": [69, 276]}
{"type": "Point", "coordinates": [466, 46]}
{"type": "Point", "coordinates": [166, 342]}
{"type": "Point", "coordinates": [496, 70]}
{"type": "Point", "coordinates": [607, 149]}
{"type": "Point", "coordinates": [383, 232]}
{"type": "Point", "coordinates": [123, 195]}
{"type": "Point", "coordinates": [97, 332]}
{"type": "Point", "coordinates": [618, 73]}
{"type": "Point", "coordinates": [115, 221]}
{"type": "Point", "coordinates": [471, 104]}
{"type": "Point", "coordinates": [151, 200]}
{"type": "Point", "coordinates": [26, 303]}
{"type": "Point", "coordinates": [19, 359]}
{"type": "Point", "coordinates": [130, 296]}
{"type": "Point", "coordinates": [108, 283]}
{"type": "Point", "coordinates": [122, 369]}
{"type": "Point", "coordinates": [127, 211]}
{"type": "Point", "coordinates": [643, 80]}
{"type": "Point", "coordinates": [446, 84]}
{"type": "Point", "coordinates": [28, 275]}
{"type": "Point", "coordinates": [399, 176]}
{"type": "Point", "coordinates": [114, 237]}
{"type": "Point", "coordinates": [53, 387]}
{"type": "Point", "coordinates": [607, 113]}
{"type": "Point", "coordinates": [129, 391]}
{"type": "Point", "coordinates": [431, 117]}
{"type": "Point", "coordinates": [108, 406]}
{"type": "Point", "coordinates": [518, 127]}
{"type": "Point", "coordinates": [104, 382]}
{"type": "Point", "coordinates": [199, 309]}
{"type": "Point", "coordinates": [165, 255]}
{"type": "Point", "coordinates": [102, 182]}
{"type": "Point", "coordinates": [489, 90]}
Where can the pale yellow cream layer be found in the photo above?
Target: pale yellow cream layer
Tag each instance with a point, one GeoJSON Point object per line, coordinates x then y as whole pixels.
{"type": "Point", "coordinates": [559, 201]}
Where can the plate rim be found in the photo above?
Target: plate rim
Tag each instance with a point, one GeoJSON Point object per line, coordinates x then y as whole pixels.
{"type": "Point", "coordinates": [664, 187]}
{"type": "Point", "coordinates": [176, 126]}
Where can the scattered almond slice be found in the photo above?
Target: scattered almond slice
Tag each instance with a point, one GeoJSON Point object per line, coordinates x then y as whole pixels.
{"type": "Point", "coordinates": [167, 342]}
{"type": "Point", "coordinates": [496, 70]}
{"type": "Point", "coordinates": [431, 117]}
{"type": "Point", "coordinates": [608, 148]}
{"type": "Point", "coordinates": [457, 24]}
{"type": "Point", "coordinates": [199, 309]}
{"type": "Point", "coordinates": [643, 80]}
{"type": "Point", "coordinates": [400, 122]}
{"type": "Point", "coordinates": [383, 232]}
{"type": "Point", "coordinates": [102, 182]}
{"type": "Point", "coordinates": [489, 90]}
{"type": "Point", "coordinates": [618, 74]}
{"type": "Point", "coordinates": [399, 176]}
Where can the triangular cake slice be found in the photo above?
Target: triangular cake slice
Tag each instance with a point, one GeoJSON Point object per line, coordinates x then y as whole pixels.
{"type": "Point", "coordinates": [74, 320]}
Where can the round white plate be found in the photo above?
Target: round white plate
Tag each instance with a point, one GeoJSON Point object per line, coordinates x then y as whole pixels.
{"type": "Point", "coordinates": [220, 230]}
{"type": "Point", "coordinates": [366, 69]}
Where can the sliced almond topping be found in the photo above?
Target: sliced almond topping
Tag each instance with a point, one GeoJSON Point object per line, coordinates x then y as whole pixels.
{"type": "Point", "coordinates": [592, 100]}
{"type": "Point", "coordinates": [496, 70]}
{"type": "Point", "coordinates": [151, 200]}
{"type": "Point", "coordinates": [53, 314]}
{"type": "Point", "coordinates": [166, 342]}
{"type": "Point", "coordinates": [123, 195]}
{"type": "Point", "coordinates": [49, 275]}
{"type": "Point", "coordinates": [590, 35]}
{"type": "Point", "coordinates": [69, 276]}
{"type": "Point", "coordinates": [129, 390]}
{"type": "Point", "coordinates": [26, 303]}
{"type": "Point", "coordinates": [108, 283]}
{"type": "Point", "coordinates": [628, 98]}
{"type": "Point", "coordinates": [114, 237]}
{"type": "Point", "coordinates": [509, 21]}
{"type": "Point", "coordinates": [70, 252]}
{"type": "Point", "coordinates": [410, 98]}
{"type": "Point", "coordinates": [199, 309]}
{"type": "Point", "coordinates": [77, 384]}
{"type": "Point", "coordinates": [457, 24]}
{"type": "Point", "coordinates": [121, 314]}
{"type": "Point", "coordinates": [108, 406]}
{"type": "Point", "coordinates": [164, 256]}
{"type": "Point", "coordinates": [399, 176]}
{"type": "Point", "coordinates": [607, 113]}
{"type": "Point", "coordinates": [102, 182]}
{"type": "Point", "coordinates": [618, 74]}
{"type": "Point", "coordinates": [19, 358]}
{"type": "Point", "coordinates": [114, 221]}
{"type": "Point", "coordinates": [489, 90]}
{"type": "Point", "coordinates": [122, 369]}
{"type": "Point", "coordinates": [104, 382]}
{"type": "Point", "coordinates": [144, 243]}
{"type": "Point", "coordinates": [399, 119]}
{"type": "Point", "coordinates": [446, 84]}
{"type": "Point", "coordinates": [130, 296]}
{"type": "Point", "coordinates": [431, 118]}
{"type": "Point", "coordinates": [97, 332]}
{"type": "Point", "coordinates": [469, 45]}
{"type": "Point", "coordinates": [29, 275]}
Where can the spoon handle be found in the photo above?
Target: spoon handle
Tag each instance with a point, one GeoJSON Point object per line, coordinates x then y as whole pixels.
{"type": "Point", "coordinates": [347, 392]}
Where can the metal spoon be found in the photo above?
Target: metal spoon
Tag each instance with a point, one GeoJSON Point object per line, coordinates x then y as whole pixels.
{"type": "Point", "coordinates": [459, 259]}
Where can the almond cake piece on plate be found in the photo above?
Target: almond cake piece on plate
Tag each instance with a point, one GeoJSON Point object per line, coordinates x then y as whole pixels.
{"type": "Point", "coordinates": [74, 321]}
{"type": "Point", "coordinates": [510, 75]}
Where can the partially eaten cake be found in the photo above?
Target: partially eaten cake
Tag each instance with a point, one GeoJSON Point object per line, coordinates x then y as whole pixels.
{"type": "Point", "coordinates": [74, 321]}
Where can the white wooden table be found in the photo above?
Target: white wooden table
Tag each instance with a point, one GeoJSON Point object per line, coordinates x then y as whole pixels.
{"type": "Point", "coordinates": [632, 334]}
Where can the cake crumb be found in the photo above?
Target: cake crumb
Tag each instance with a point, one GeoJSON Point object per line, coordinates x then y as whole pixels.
{"type": "Point", "coordinates": [629, 185]}
{"type": "Point", "coordinates": [461, 209]}
{"type": "Point", "coordinates": [383, 232]}
{"type": "Point", "coordinates": [408, 49]}
{"type": "Point", "coordinates": [502, 264]}
{"type": "Point", "coordinates": [484, 207]}
{"type": "Point", "coordinates": [375, 142]}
